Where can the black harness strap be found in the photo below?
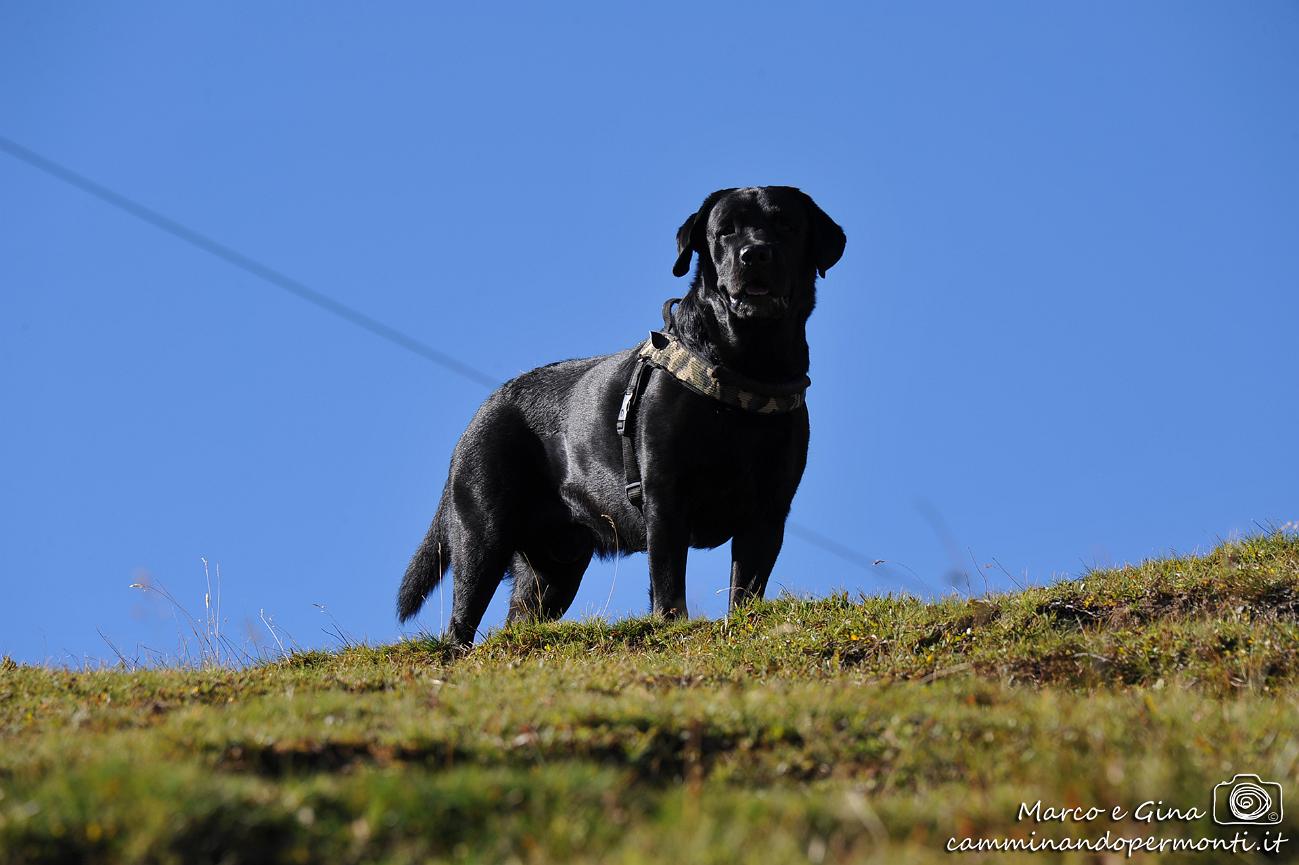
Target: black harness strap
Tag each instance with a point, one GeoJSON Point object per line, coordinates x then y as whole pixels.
{"type": "Point", "coordinates": [627, 430]}
{"type": "Point", "coordinates": [627, 416]}
{"type": "Point", "coordinates": [667, 313]}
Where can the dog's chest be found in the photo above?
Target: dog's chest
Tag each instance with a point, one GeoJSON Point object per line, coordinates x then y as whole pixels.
{"type": "Point", "coordinates": [737, 463]}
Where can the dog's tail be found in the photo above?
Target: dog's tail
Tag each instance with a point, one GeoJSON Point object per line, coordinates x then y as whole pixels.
{"type": "Point", "coordinates": [427, 566]}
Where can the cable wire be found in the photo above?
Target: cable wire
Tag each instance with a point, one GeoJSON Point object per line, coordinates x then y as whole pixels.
{"type": "Point", "coordinates": [249, 265]}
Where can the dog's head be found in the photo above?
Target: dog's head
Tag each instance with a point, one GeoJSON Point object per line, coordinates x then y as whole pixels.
{"type": "Point", "coordinates": [760, 249]}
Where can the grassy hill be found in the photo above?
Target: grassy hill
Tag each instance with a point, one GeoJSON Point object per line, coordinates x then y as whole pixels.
{"type": "Point", "coordinates": [834, 730]}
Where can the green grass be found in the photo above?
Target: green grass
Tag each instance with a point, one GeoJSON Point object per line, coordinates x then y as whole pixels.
{"type": "Point", "coordinates": [834, 730]}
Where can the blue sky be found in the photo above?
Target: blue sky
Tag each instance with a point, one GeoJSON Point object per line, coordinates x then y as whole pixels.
{"type": "Point", "coordinates": [1061, 335]}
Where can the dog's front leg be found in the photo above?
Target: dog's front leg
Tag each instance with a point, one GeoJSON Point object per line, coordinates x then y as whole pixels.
{"type": "Point", "coordinates": [668, 540]}
{"type": "Point", "coordinates": [753, 555]}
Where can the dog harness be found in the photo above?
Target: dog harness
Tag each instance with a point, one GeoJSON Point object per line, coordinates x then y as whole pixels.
{"type": "Point", "coordinates": [664, 350]}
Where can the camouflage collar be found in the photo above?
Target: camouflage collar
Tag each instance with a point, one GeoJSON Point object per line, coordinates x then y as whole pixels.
{"type": "Point", "coordinates": [669, 354]}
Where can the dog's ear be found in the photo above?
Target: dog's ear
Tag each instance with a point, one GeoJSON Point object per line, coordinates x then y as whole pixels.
{"type": "Point", "coordinates": [685, 245]}
{"type": "Point", "coordinates": [828, 239]}
{"type": "Point", "coordinates": [691, 236]}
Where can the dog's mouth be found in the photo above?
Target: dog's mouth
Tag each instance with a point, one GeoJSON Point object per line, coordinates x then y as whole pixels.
{"type": "Point", "coordinates": [756, 299]}
{"type": "Point", "coordinates": [751, 288]}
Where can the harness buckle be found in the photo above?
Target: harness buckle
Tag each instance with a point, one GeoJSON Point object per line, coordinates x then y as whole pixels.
{"type": "Point", "coordinates": [634, 493]}
{"type": "Point", "coordinates": [625, 409]}
{"type": "Point", "coordinates": [630, 397]}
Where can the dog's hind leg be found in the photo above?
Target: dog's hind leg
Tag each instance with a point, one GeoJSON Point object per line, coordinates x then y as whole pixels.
{"type": "Point", "coordinates": [478, 565]}
{"type": "Point", "coordinates": [546, 578]}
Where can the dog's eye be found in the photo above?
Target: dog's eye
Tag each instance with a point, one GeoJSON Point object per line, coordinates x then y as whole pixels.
{"type": "Point", "coordinates": [727, 230]}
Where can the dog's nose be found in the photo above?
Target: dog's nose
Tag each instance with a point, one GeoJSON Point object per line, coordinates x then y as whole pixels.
{"type": "Point", "coordinates": [755, 253]}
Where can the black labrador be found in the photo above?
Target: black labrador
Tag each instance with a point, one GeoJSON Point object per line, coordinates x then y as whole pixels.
{"type": "Point", "coordinates": [711, 446]}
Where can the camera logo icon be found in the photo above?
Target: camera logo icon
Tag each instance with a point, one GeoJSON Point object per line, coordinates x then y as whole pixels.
{"type": "Point", "coordinates": [1247, 799]}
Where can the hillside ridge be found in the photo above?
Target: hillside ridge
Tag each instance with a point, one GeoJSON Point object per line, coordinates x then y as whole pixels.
{"type": "Point", "coordinates": [837, 729]}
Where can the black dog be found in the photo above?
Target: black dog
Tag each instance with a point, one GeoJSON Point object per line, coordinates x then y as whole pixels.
{"type": "Point", "coordinates": [696, 437]}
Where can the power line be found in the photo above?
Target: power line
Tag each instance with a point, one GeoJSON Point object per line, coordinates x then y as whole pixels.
{"type": "Point", "coordinates": [341, 310]}
{"type": "Point", "coordinates": [243, 262]}
{"type": "Point", "coordinates": [848, 554]}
